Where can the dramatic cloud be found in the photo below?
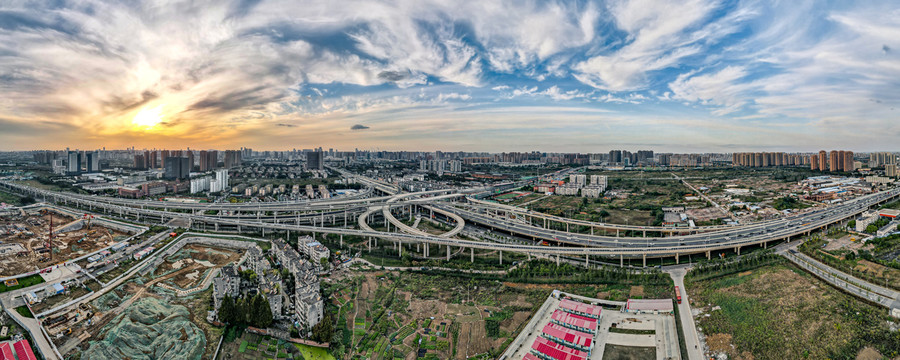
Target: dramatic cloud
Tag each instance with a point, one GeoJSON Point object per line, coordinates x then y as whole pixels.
{"type": "Point", "coordinates": [271, 73]}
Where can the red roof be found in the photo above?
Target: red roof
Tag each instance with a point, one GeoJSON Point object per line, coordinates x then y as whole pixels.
{"type": "Point", "coordinates": [530, 357]}
{"type": "Point", "coordinates": [574, 320]}
{"type": "Point", "coordinates": [568, 335]}
{"type": "Point", "coordinates": [580, 307]}
{"type": "Point", "coordinates": [23, 350]}
{"type": "Point", "coordinates": [556, 351]}
{"type": "Point", "coordinates": [6, 352]}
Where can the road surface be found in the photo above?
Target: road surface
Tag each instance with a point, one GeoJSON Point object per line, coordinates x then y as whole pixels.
{"type": "Point", "coordinates": [691, 338]}
{"type": "Point", "coordinates": [877, 294]}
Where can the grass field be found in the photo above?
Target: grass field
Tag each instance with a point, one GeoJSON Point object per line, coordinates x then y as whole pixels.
{"type": "Point", "coordinates": [313, 353]}
{"type": "Point", "coordinates": [23, 283]}
{"type": "Point", "coordinates": [619, 352]}
{"type": "Point", "coordinates": [781, 312]}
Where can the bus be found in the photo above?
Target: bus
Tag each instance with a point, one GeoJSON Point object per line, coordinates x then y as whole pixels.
{"type": "Point", "coordinates": [678, 294]}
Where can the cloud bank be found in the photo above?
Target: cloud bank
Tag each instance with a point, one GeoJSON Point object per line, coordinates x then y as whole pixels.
{"type": "Point", "coordinates": [270, 73]}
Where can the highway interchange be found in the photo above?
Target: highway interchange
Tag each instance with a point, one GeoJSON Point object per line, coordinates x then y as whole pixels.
{"type": "Point", "coordinates": [336, 216]}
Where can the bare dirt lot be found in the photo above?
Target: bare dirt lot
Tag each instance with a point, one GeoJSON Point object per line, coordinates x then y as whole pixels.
{"type": "Point", "coordinates": [23, 241]}
{"type": "Point", "coordinates": [195, 261]}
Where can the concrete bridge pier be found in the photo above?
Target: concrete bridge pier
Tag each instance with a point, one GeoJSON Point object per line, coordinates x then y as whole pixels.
{"type": "Point", "coordinates": [617, 232]}
{"type": "Point", "coordinates": [738, 250]}
{"type": "Point", "coordinates": [342, 241]}
{"type": "Point", "coordinates": [448, 252]}
{"type": "Point", "coordinates": [369, 244]}
{"type": "Point", "coordinates": [645, 260]}
{"type": "Point", "coordinates": [621, 260]}
{"type": "Point", "coordinates": [676, 258]}
{"type": "Point", "coordinates": [501, 257]}
{"type": "Point", "coordinates": [472, 255]}
{"type": "Point", "coordinates": [586, 261]}
{"type": "Point", "coordinates": [708, 255]}
{"type": "Point", "coordinates": [557, 259]}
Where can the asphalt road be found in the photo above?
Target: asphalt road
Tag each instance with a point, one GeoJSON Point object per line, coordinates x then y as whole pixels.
{"type": "Point", "coordinates": [874, 293]}
{"type": "Point", "coordinates": [691, 338]}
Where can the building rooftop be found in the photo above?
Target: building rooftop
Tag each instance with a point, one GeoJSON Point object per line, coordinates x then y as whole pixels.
{"type": "Point", "coordinates": [662, 305]}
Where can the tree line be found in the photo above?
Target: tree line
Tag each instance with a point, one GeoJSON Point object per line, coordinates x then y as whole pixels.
{"type": "Point", "coordinates": [253, 311]}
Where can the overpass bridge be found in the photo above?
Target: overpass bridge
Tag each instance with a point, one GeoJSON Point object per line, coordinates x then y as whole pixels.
{"type": "Point", "coordinates": [577, 244]}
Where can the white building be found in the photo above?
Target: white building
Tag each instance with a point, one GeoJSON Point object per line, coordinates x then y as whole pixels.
{"type": "Point", "coordinates": [593, 191]}
{"type": "Point", "coordinates": [455, 166]}
{"type": "Point", "coordinates": [599, 180]}
{"type": "Point", "coordinates": [199, 185]}
{"type": "Point", "coordinates": [568, 189]}
{"type": "Point", "coordinates": [579, 179]}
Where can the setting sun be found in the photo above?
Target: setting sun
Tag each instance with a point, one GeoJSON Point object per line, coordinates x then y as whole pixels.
{"type": "Point", "coordinates": [148, 117]}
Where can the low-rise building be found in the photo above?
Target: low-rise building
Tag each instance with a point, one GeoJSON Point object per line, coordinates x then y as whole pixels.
{"type": "Point", "coordinates": [570, 189]}
{"type": "Point", "coordinates": [593, 191]}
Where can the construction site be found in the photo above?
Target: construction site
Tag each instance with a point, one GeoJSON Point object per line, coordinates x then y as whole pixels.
{"type": "Point", "coordinates": [188, 267]}
{"type": "Point", "coordinates": [26, 243]}
{"type": "Point", "coordinates": [161, 313]}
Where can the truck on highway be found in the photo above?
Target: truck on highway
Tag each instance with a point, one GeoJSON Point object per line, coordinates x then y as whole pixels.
{"type": "Point", "coordinates": [678, 294]}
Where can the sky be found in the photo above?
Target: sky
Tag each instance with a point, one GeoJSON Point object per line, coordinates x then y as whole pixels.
{"type": "Point", "coordinates": [560, 76]}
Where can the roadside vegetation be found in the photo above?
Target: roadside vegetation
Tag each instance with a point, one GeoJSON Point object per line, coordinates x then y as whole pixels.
{"type": "Point", "coordinates": [878, 262]}
{"type": "Point", "coordinates": [777, 311]}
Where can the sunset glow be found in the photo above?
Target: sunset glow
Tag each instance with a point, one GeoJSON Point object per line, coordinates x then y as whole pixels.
{"type": "Point", "coordinates": [147, 118]}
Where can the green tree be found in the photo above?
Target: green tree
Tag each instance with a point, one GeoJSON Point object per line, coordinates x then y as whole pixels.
{"type": "Point", "coordinates": [227, 313]}
{"type": "Point", "coordinates": [324, 330]}
{"type": "Point", "coordinates": [871, 229]}
{"type": "Point", "coordinates": [260, 314]}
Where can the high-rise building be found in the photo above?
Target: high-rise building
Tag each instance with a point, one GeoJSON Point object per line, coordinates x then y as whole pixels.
{"type": "Point", "coordinates": [615, 156]}
{"type": "Point", "coordinates": [599, 180]}
{"type": "Point", "coordinates": [455, 166]}
{"type": "Point", "coordinates": [176, 168]}
{"type": "Point", "coordinates": [315, 160]}
{"type": "Point", "coordinates": [93, 161]}
{"type": "Point", "coordinates": [890, 170]}
{"type": "Point", "coordinates": [879, 159]}
{"type": "Point", "coordinates": [814, 162]}
{"type": "Point", "coordinates": [834, 162]}
{"type": "Point", "coordinates": [579, 179]}
{"type": "Point", "coordinates": [209, 160]}
{"type": "Point", "coordinates": [234, 158]}
{"type": "Point", "coordinates": [848, 161]}
{"type": "Point", "coordinates": [163, 155]}
{"type": "Point", "coordinates": [139, 162]}
{"type": "Point", "coordinates": [74, 164]}
{"type": "Point", "coordinates": [823, 160]}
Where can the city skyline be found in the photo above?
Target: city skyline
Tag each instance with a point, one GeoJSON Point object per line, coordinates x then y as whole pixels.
{"type": "Point", "coordinates": [728, 76]}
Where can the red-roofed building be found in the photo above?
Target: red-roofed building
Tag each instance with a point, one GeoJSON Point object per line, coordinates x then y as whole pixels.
{"type": "Point", "coordinates": [546, 349]}
{"type": "Point", "coordinates": [530, 356]}
{"type": "Point", "coordinates": [572, 338]}
{"type": "Point", "coordinates": [576, 322]}
{"type": "Point", "coordinates": [23, 350]}
{"type": "Point", "coordinates": [6, 352]}
{"type": "Point", "coordinates": [580, 308]}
